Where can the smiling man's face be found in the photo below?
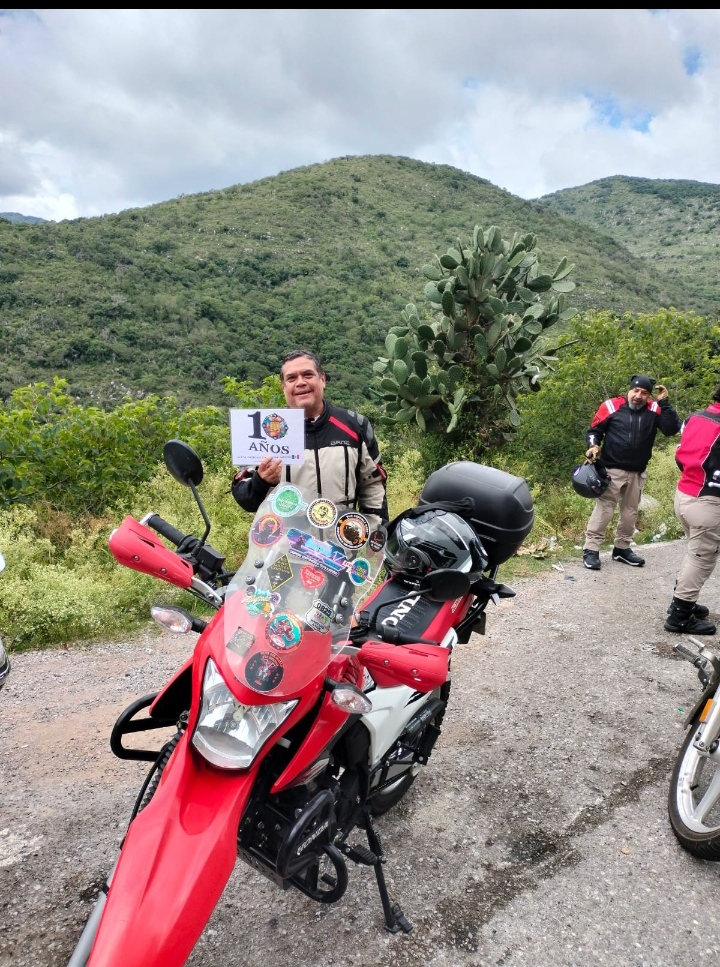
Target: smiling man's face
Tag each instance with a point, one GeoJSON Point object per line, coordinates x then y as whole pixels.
{"type": "Point", "coordinates": [303, 386]}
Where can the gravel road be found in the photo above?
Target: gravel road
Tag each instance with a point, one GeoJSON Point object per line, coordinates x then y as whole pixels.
{"type": "Point", "coordinates": [537, 835]}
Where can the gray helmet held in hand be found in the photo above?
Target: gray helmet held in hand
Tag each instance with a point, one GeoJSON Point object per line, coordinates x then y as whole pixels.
{"type": "Point", "coordinates": [590, 479]}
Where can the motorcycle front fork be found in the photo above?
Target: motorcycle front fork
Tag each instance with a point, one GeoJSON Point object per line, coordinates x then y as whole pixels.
{"type": "Point", "coordinates": [707, 738]}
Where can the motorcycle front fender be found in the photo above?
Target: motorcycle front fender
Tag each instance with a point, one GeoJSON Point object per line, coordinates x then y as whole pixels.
{"type": "Point", "coordinates": [176, 859]}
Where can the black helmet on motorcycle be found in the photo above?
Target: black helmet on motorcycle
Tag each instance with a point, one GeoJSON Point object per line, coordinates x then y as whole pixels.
{"type": "Point", "coordinates": [590, 479]}
{"type": "Point", "coordinates": [431, 540]}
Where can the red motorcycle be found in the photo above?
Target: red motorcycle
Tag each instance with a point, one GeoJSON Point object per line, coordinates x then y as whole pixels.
{"type": "Point", "coordinates": [312, 698]}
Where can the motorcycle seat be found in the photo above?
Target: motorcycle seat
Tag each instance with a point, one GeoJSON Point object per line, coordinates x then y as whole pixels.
{"type": "Point", "coordinates": [411, 615]}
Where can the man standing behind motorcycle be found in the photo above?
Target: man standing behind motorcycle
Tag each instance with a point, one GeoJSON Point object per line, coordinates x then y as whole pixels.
{"type": "Point", "coordinates": [625, 428]}
{"type": "Point", "coordinates": [697, 507]}
{"type": "Point", "coordinates": [342, 459]}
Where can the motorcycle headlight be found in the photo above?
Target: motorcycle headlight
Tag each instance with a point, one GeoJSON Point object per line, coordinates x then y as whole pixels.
{"type": "Point", "coordinates": [229, 734]}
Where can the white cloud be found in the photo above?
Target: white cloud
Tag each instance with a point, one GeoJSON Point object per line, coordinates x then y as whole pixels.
{"type": "Point", "coordinates": [101, 110]}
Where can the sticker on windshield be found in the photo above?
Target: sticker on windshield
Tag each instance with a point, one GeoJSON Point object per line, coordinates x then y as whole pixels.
{"type": "Point", "coordinates": [284, 632]}
{"type": "Point", "coordinates": [352, 530]}
{"type": "Point", "coordinates": [264, 671]}
{"type": "Point", "coordinates": [359, 571]}
{"type": "Point", "coordinates": [267, 530]}
{"type": "Point", "coordinates": [240, 642]}
{"type": "Point", "coordinates": [377, 539]}
{"type": "Point", "coordinates": [319, 617]}
{"type": "Point", "coordinates": [311, 578]}
{"type": "Point", "coordinates": [322, 512]}
{"type": "Point", "coordinates": [287, 501]}
{"type": "Point", "coordinates": [328, 557]}
{"type": "Point", "coordinates": [259, 602]}
{"type": "Point", "coordinates": [279, 572]}
{"type": "Point", "coordinates": [275, 426]}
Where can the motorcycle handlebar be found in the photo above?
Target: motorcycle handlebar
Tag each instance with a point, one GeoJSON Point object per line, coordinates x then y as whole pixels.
{"type": "Point", "coordinates": [687, 653]}
{"type": "Point", "coordinates": [166, 530]}
{"type": "Point", "coordinates": [394, 637]}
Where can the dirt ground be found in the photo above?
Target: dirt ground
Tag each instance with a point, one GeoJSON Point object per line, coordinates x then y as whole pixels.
{"type": "Point", "coordinates": [536, 835]}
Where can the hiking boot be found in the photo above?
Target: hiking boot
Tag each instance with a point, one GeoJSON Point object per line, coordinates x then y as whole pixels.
{"type": "Point", "coordinates": [699, 610]}
{"type": "Point", "coordinates": [626, 556]}
{"type": "Point", "coordinates": [591, 560]}
{"type": "Point", "coordinates": [681, 619]}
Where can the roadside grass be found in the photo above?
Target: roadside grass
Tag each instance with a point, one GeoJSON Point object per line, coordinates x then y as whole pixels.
{"type": "Point", "coordinates": [62, 585]}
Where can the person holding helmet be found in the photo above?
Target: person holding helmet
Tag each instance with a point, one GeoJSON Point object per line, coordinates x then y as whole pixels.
{"type": "Point", "coordinates": [697, 507]}
{"type": "Point", "coordinates": [623, 432]}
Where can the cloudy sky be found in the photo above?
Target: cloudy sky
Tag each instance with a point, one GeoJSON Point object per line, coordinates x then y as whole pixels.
{"type": "Point", "coordinates": [105, 110]}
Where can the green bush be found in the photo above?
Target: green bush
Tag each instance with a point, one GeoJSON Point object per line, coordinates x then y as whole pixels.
{"type": "Point", "coordinates": [49, 596]}
{"type": "Point", "coordinates": [81, 460]}
{"type": "Point", "coordinates": [51, 593]}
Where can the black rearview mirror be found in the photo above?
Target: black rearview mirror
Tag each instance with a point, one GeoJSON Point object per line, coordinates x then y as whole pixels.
{"type": "Point", "coordinates": [183, 464]}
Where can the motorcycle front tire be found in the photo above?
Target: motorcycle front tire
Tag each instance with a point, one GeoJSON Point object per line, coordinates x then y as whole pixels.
{"type": "Point", "coordinates": [694, 802]}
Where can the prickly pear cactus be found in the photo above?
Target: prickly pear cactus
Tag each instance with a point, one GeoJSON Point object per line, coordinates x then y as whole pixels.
{"type": "Point", "coordinates": [481, 346]}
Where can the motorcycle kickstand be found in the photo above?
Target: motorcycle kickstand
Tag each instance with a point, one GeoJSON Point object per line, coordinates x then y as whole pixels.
{"type": "Point", "coordinates": [395, 919]}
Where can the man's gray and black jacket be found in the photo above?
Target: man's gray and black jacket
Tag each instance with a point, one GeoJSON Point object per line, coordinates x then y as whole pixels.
{"type": "Point", "coordinates": [342, 463]}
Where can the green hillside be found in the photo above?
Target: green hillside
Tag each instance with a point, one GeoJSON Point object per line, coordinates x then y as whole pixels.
{"type": "Point", "coordinates": [171, 298]}
{"type": "Point", "coordinates": [673, 226]}
{"type": "Point", "coordinates": [17, 218]}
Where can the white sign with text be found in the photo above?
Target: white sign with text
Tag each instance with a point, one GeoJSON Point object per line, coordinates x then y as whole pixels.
{"type": "Point", "coordinates": [255, 434]}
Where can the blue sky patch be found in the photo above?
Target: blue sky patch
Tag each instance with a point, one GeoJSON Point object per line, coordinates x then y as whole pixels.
{"type": "Point", "coordinates": [608, 112]}
{"type": "Point", "coordinates": [692, 61]}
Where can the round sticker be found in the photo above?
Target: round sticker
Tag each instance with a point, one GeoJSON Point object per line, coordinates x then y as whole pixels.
{"type": "Point", "coordinates": [274, 426]}
{"type": "Point", "coordinates": [359, 571]}
{"type": "Point", "coordinates": [267, 530]}
{"type": "Point", "coordinates": [377, 539]}
{"type": "Point", "coordinates": [284, 632]}
{"type": "Point", "coordinates": [311, 577]}
{"type": "Point", "coordinates": [264, 671]}
{"type": "Point", "coordinates": [287, 501]}
{"type": "Point", "coordinates": [352, 530]}
{"type": "Point", "coordinates": [322, 512]}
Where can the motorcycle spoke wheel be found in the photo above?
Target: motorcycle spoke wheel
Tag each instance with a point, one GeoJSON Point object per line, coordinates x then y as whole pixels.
{"type": "Point", "coordinates": [694, 802]}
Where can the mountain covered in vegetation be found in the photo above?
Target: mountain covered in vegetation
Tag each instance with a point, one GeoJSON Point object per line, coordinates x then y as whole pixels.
{"type": "Point", "coordinates": [673, 226]}
{"type": "Point", "coordinates": [16, 218]}
{"type": "Point", "coordinates": [171, 298]}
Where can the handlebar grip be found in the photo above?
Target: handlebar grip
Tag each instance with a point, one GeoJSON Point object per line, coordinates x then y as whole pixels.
{"type": "Point", "coordinates": [394, 637]}
{"type": "Point", "coordinates": [687, 653]}
{"type": "Point", "coordinates": [175, 536]}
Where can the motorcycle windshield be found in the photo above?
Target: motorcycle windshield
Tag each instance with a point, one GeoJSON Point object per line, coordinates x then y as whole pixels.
{"type": "Point", "coordinates": [310, 565]}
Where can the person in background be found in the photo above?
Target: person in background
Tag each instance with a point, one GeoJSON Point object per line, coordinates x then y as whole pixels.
{"type": "Point", "coordinates": [342, 459]}
{"type": "Point", "coordinates": [623, 433]}
{"type": "Point", "coordinates": [697, 507]}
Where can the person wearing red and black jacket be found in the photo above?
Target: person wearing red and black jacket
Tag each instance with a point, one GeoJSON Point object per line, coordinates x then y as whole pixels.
{"type": "Point", "coordinates": [622, 434]}
{"type": "Point", "coordinates": [697, 507]}
{"type": "Point", "coordinates": [342, 459]}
